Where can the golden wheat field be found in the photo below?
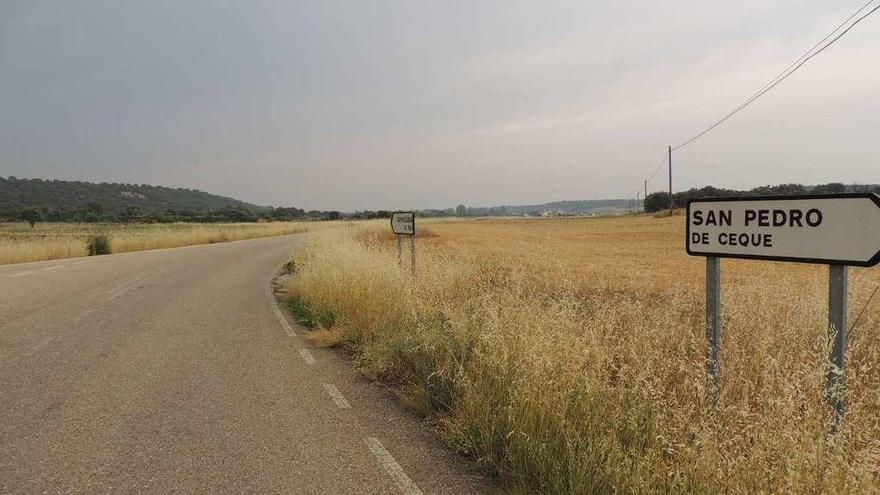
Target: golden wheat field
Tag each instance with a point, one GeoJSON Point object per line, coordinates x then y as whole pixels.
{"type": "Point", "coordinates": [49, 241]}
{"type": "Point", "coordinates": [568, 355]}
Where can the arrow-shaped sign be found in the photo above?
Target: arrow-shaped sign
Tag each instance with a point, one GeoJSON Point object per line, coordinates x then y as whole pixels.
{"type": "Point", "coordinates": [841, 229]}
{"type": "Point", "coordinates": [403, 223]}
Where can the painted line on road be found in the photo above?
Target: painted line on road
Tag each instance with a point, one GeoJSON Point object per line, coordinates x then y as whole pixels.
{"type": "Point", "coordinates": [53, 267]}
{"type": "Point", "coordinates": [126, 284]}
{"type": "Point", "coordinates": [273, 303]}
{"type": "Point", "coordinates": [406, 485]}
{"type": "Point", "coordinates": [20, 274]}
{"type": "Point", "coordinates": [47, 340]}
{"type": "Point", "coordinates": [80, 262]}
{"type": "Point", "coordinates": [307, 356]}
{"type": "Point", "coordinates": [124, 287]}
{"type": "Point", "coordinates": [117, 294]}
{"type": "Point", "coordinates": [337, 397]}
{"type": "Point", "coordinates": [43, 343]}
{"type": "Point", "coordinates": [287, 328]}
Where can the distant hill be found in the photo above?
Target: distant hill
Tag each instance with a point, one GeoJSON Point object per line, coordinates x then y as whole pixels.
{"type": "Point", "coordinates": [654, 202]}
{"type": "Point", "coordinates": [74, 201]}
{"type": "Point", "coordinates": [587, 206]}
{"type": "Point", "coordinates": [16, 194]}
{"type": "Point", "coordinates": [572, 207]}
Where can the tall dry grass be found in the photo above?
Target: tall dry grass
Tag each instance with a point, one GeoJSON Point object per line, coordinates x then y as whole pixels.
{"type": "Point", "coordinates": [567, 356]}
{"type": "Point", "coordinates": [49, 241]}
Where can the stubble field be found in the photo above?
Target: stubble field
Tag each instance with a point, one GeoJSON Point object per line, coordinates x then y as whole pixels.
{"type": "Point", "coordinates": [568, 355]}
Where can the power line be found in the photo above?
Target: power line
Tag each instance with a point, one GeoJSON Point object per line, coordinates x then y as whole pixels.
{"type": "Point", "coordinates": [877, 288]}
{"type": "Point", "coordinates": [656, 170]}
{"type": "Point", "coordinates": [791, 69]}
{"type": "Point", "coordinates": [785, 74]}
{"type": "Point", "coordinates": [813, 48]}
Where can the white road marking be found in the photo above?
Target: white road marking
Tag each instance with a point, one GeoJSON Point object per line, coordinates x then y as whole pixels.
{"type": "Point", "coordinates": [82, 316]}
{"type": "Point", "coordinates": [125, 284]}
{"type": "Point", "coordinates": [53, 267]}
{"type": "Point", "coordinates": [287, 328]}
{"type": "Point", "coordinates": [46, 341]}
{"type": "Point", "coordinates": [337, 397]}
{"type": "Point", "coordinates": [43, 343]}
{"type": "Point", "coordinates": [273, 303]}
{"type": "Point", "coordinates": [120, 291]}
{"type": "Point", "coordinates": [117, 294]}
{"type": "Point", "coordinates": [406, 485]}
{"type": "Point", "coordinates": [20, 274]}
{"type": "Point", "coordinates": [123, 288]}
{"type": "Point", "coordinates": [79, 262]}
{"type": "Point", "coordinates": [307, 356]}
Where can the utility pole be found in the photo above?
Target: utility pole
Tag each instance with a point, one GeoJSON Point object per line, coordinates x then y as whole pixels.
{"type": "Point", "coordinates": [646, 194]}
{"type": "Point", "coordinates": [671, 202]}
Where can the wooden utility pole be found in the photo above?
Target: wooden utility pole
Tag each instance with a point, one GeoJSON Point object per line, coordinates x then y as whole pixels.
{"type": "Point", "coordinates": [671, 202]}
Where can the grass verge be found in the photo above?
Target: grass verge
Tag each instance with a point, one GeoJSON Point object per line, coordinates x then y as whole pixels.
{"type": "Point", "coordinates": [50, 241]}
{"type": "Point", "coordinates": [592, 381]}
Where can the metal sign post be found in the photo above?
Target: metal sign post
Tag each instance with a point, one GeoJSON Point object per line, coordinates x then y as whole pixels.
{"type": "Point", "coordinates": [713, 323]}
{"type": "Point", "coordinates": [840, 230]}
{"type": "Point", "coordinates": [837, 330]}
{"type": "Point", "coordinates": [399, 250]}
{"type": "Point", "coordinates": [403, 223]}
{"type": "Point", "coordinates": [412, 252]}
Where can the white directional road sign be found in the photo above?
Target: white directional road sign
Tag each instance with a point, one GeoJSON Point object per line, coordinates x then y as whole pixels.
{"type": "Point", "coordinates": [403, 222]}
{"type": "Point", "coordinates": [842, 229]}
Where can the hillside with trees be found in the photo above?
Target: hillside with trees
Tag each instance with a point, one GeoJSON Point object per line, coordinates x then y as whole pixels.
{"type": "Point", "coordinates": [34, 200]}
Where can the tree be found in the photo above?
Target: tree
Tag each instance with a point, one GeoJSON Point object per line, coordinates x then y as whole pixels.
{"type": "Point", "coordinates": [334, 215]}
{"type": "Point", "coordinates": [830, 188]}
{"type": "Point", "coordinates": [656, 201]}
{"type": "Point", "coordinates": [30, 216]}
{"type": "Point", "coordinates": [96, 208]}
{"type": "Point", "coordinates": [460, 211]}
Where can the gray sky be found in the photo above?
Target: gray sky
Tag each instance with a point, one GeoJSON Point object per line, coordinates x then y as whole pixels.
{"type": "Point", "coordinates": [368, 104]}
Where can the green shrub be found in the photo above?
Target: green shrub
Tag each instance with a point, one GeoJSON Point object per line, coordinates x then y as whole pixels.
{"type": "Point", "coordinates": [97, 245]}
{"type": "Point", "coordinates": [308, 317]}
{"type": "Point", "coordinates": [289, 267]}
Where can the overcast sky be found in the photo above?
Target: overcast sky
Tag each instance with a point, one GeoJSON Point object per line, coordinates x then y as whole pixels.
{"type": "Point", "coordinates": [382, 104]}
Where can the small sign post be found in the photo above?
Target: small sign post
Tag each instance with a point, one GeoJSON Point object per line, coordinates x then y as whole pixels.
{"type": "Point", "coordinates": [403, 223]}
{"type": "Point", "coordinates": [713, 322]}
{"type": "Point", "coordinates": [839, 230]}
{"type": "Point", "coordinates": [837, 332]}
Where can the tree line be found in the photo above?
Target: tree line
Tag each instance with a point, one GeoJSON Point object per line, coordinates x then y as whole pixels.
{"type": "Point", "coordinates": [95, 213]}
{"type": "Point", "coordinates": [37, 200]}
{"type": "Point", "coordinates": [659, 201]}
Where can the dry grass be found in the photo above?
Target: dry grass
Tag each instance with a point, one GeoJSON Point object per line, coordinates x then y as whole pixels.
{"type": "Point", "coordinates": [48, 241]}
{"type": "Point", "coordinates": [321, 337]}
{"type": "Point", "coordinates": [567, 355]}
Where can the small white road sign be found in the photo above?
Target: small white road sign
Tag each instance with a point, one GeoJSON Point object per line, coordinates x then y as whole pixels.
{"type": "Point", "coordinates": [403, 222]}
{"type": "Point", "coordinates": [841, 229]}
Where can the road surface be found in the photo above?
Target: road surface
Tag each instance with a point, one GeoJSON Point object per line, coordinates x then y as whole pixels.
{"type": "Point", "coordinates": [170, 371]}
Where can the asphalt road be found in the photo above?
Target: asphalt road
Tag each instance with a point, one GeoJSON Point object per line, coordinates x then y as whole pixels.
{"type": "Point", "coordinates": [170, 371]}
